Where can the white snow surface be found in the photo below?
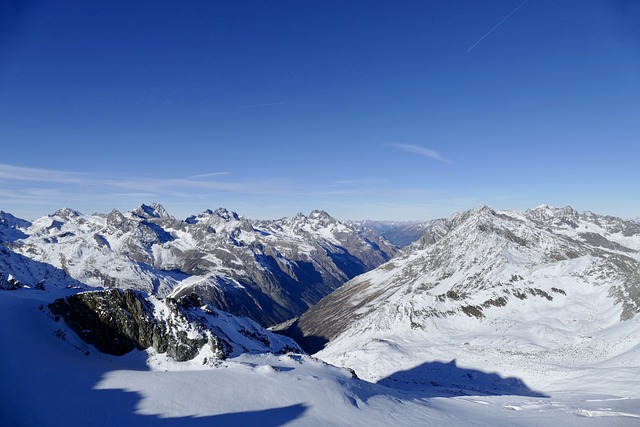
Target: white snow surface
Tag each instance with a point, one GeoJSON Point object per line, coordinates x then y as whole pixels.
{"type": "Point", "coordinates": [51, 378]}
{"type": "Point", "coordinates": [553, 320]}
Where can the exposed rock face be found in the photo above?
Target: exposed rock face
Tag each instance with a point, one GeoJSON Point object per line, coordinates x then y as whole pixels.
{"type": "Point", "coordinates": [118, 321]}
{"type": "Point", "coordinates": [270, 271]}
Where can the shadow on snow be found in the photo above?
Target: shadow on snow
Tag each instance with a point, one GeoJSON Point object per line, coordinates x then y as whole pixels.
{"type": "Point", "coordinates": [438, 379]}
{"type": "Point", "coordinates": [50, 378]}
{"type": "Point", "coordinates": [68, 397]}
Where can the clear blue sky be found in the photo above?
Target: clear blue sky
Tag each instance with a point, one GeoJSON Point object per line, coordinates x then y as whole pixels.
{"type": "Point", "coordinates": [366, 109]}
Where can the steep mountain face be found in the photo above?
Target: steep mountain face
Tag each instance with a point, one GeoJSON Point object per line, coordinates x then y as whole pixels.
{"type": "Point", "coordinates": [527, 291]}
{"type": "Point", "coordinates": [12, 228]}
{"type": "Point", "coordinates": [267, 270]}
{"type": "Point", "coordinates": [118, 321]}
{"type": "Point", "coordinates": [18, 271]}
{"type": "Point", "coordinates": [398, 233]}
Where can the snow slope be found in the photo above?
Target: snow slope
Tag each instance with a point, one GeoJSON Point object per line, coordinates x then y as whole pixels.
{"type": "Point", "coordinates": [548, 297]}
{"type": "Point", "coordinates": [51, 378]}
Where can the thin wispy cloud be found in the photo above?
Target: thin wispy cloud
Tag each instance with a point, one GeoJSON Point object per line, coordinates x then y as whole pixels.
{"type": "Point", "coordinates": [496, 26]}
{"type": "Point", "coordinates": [426, 152]}
{"type": "Point", "coordinates": [20, 173]}
{"type": "Point", "coordinates": [42, 180]}
{"type": "Point", "coordinates": [208, 175]}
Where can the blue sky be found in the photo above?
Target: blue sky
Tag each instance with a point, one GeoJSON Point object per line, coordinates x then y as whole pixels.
{"type": "Point", "coordinates": [366, 109]}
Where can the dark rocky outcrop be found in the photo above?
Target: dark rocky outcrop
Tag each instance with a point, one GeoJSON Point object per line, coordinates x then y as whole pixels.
{"type": "Point", "coordinates": [9, 283]}
{"type": "Point", "coordinates": [118, 321]}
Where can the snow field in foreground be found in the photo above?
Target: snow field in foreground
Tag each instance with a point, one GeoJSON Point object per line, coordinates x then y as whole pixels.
{"type": "Point", "coordinates": [49, 380]}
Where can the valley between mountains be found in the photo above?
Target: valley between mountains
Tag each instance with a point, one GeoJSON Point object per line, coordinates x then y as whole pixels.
{"type": "Point", "coordinates": [483, 318]}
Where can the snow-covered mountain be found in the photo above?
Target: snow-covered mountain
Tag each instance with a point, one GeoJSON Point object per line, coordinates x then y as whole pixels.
{"type": "Point", "coordinates": [17, 270]}
{"type": "Point", "coordinates": [547, 296]}
{"type": "Point", "coordinates": [267, 270]}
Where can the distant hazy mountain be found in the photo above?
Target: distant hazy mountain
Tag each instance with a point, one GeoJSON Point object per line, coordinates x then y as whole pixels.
{"type": "Point", "coordinates": [546, 292]}
{"type": "Point", "coordinates": [398, 233]}
{"type": "Point", "coordinates": [267, 270]}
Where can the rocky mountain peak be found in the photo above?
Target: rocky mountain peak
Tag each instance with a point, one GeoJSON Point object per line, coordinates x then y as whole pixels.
{"type": "Point", "coordinates": [194, 219]}
{"type": "Point", "coordinates": [481, 213]}
{"type": "Point", "coordinates": [66, 214]}
{"type": "Point", "coordinates": [155, 210]}
{"type": "Point", "coordinates": [226, 214]}
{"type": "Point", "coordinates": [116, 218]}
{"type": "Point", "coordinates": [555, 217]}
{"type": "Point", "coordinates": [320, 214]}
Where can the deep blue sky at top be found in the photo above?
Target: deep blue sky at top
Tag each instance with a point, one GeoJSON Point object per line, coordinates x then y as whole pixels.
{"type": "Point", "coordinates": [367, 109]}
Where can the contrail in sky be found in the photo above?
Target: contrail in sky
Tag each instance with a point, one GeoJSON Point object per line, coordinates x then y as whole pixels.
{"type": "Point", "coordinates": [497, 25]}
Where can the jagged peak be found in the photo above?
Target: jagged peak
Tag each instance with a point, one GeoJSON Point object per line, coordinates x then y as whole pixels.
{"type": "Point", "coordinates": [154, 210]}
{"type": "Point", "coordinates": [66, 213]}
{"type": "Point", "coordinates": [477, 212]}
{"type": "Point", "coordinates": [194, 219]}
{"type": "Point", "coordinates": [226, 214]}
{"type": "Point", "coordinates": [566, 216]}
{"type": "Point", "coordinates": [553, 210]}
{"type": "Point", "coordinates": [319, 214]}
{"type": "Point", "coordinates": [115, 213]}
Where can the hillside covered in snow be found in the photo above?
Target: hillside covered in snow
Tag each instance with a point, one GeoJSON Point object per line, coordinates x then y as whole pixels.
{"type": "Point", "coordinates": [550, 296]}
{"type": "Point", "coordinates": [51, 377]}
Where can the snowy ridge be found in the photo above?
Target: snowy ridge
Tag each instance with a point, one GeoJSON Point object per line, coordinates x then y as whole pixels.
{"type": "Point", "coordinates": [543, 295]}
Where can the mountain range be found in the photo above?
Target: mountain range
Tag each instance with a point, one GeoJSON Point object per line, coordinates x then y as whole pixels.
{"type": "Point", "coordinates": [488, 318]}
{"type": "Point", "coordinates": [269, 271]}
